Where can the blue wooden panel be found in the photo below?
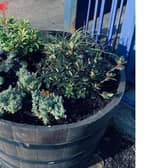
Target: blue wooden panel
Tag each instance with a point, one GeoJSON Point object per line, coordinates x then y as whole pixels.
{"type": "Point", "coordinates": [88, 15]}
{"type": "Point", "coordinates": [100, 20]}
{"type": "Point", "coordinates": [70, 8]}
{"type": "Point", "coordinates": [95, 18]}
{"type": "Point", "coordinates": [116, 31]}
{"type": "Point", "coordinates": [75, 12]}
{"type": "Point", "coordinates": [127, 31]}
{"type": "Point", "coordinates": [130, 67]}
{"type": "Point", "coordinates": [126, 46]}
{"type": "Point", "coordinates": [110, 27]}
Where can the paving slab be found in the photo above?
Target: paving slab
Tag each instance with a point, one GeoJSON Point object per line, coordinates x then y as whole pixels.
{"type": "Point", "coordinates": [116, 150]}
{"type": "Point", "coordinates": [123, 118]}
{"type": "Point", "coordinates": [43, 14]}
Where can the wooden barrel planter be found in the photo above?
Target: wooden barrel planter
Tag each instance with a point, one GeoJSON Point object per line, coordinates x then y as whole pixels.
{"type": "Point", "coordinates": [60, 146]}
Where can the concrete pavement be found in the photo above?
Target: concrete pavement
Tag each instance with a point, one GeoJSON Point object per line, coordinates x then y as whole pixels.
{"type": "Point", "coordinates": [43, 14]}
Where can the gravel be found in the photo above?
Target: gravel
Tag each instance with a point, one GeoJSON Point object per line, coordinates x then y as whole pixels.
{"type": "Point", "coordinates": [125, 159]}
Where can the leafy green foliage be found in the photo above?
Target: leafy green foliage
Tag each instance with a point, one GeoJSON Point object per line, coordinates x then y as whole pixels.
{"type": "Point", "coordinates": [107, 95]}
{"type": "Point", "coordinates": [6, 64]}
{"type": "Point", "coordinates": [75, 65]}
{"type": "Point", "coordinates": [45, 105]}
{"type": "Point", "coordinates": [11, 100]}
{"type": "Point", "coordinates": [1, 80]}
{"type": "Point", "coordinates": [27, 81]}
{"type": "Point", "coordinates": [1, 51]}
{"type": "Point", "coordinates": [19, 37]}
{"type": "Point", "coordinates": [5, 67]}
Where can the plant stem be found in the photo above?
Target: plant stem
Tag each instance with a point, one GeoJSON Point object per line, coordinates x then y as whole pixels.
{"type": "Point", "coordinates": [4, 18]}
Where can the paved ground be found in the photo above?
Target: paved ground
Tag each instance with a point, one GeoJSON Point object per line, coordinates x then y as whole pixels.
{"type": "Point", "coordinates": [115, 151]}
{"type": "Point", "coordinates": [44, 14]}
{"type": "Point", "coordinates": [124, 115]}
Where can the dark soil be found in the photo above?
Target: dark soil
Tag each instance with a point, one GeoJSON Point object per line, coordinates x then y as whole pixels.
{"type": "Point", "coordinates": [77, 110]}
{"type": "Point", "coordinates": [10, 79]}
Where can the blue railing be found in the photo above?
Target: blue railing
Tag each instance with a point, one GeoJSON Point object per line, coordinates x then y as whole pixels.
{"type": "Point", "coordinates": [120, 35]}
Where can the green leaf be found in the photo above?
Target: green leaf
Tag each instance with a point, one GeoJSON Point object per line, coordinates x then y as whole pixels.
{"type": "Point", "coordinates": [5, 67]}
{"type": "Point", "coordinates": [107, 95]}
{"type": "Point", "coordinates": [2, 80]}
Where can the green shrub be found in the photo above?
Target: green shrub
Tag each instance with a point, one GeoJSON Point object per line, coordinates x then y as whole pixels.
{"type": "Point", "coordinates": [8, 64]}
{"type": "Point", "coordinates": [27, 81]}
{"type": "Point", "coordinates": [18, 37]}
{"type": "Point", "coordinates": [1, 80]}
{"type": "Point", "coordinates": [76, 65]}
{"type": "Point", "coordinates": [11, 100]}
{"type": "Point", "coordinates": [45, 105]}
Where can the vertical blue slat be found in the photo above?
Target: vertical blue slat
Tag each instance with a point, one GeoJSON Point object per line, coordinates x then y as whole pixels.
{"type": "Point", "coordinates": [127, 29]}
{"type": "Point", "coordinates": [119, 15]}
{"type": "Point", "coordinates": [88, 14]}
{"type": "Point", "coordinates": [94, 19]}
{"type": "Point", "coordinates": [100, 20]}
{"type": "Point", "coordinates": [127, 40]}
{"type": "Point", "coordinates": [111, 21]}
{"type": "Point", "coordinates": [118, 20]}
{"type": "Point", "coordinates": [130, 66]}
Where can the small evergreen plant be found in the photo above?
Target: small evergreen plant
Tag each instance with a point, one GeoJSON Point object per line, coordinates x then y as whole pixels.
{"type": "Point", "coordinates": [44, 106]}
{"type": "Point", "coordinates": [27, 81]}
{"type": "Point", "coordinates": [11, 100]}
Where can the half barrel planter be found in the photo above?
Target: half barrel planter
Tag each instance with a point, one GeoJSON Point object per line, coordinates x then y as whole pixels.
{"type": "Point", "coordinates": [61, 146]}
